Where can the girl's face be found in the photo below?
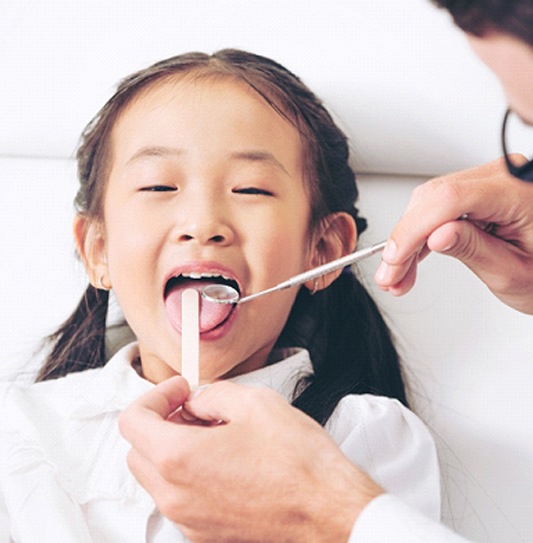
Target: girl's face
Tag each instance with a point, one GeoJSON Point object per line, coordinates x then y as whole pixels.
{"type": "Point", "coordinates": [205, 178]}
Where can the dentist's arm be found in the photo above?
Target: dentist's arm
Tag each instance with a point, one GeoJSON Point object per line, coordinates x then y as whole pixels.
{"type": "Point", "coordinates": [495, 241]}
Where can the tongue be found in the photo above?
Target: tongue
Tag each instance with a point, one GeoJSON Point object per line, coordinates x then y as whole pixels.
{"type": "Point", "coordinates": [211, 314]}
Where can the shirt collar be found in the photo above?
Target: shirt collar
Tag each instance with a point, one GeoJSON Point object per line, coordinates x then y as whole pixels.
{"type": "Point", "coordinates": [281, 376]}
{"type": "Point", "coordinates": [116, 385]}
{"type": "Point", "coordinates": [112, 387]}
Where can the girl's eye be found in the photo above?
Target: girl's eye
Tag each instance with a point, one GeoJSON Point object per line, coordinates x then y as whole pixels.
{"type": "Point", "coordinates": [158, 188]}
{"type": "Point", "coordinates": [253, 190]}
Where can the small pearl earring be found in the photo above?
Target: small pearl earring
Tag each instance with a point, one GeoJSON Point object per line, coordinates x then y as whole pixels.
{"type": "Point", "coordinates": [101, 284]}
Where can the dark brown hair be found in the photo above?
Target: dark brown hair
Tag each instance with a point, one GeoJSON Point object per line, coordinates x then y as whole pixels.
{"type": "Point", "coordinates": [350, 345]}
{"type": "Point", "coordinates": [513, 17]}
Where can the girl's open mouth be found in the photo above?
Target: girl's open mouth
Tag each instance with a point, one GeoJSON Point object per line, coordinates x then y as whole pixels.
{"type": "Point", "coordinates": [212, 315]}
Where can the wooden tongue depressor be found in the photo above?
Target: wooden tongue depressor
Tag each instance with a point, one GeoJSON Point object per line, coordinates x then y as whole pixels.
{"type": "Point", "coordinates": [190, 337]}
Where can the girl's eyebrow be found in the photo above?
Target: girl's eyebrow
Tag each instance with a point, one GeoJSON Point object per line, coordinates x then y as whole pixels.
{"type": "Point", "coordinates": [259, 156]}
{"type": "Point", "coordinates": [155, 151]}
{"type": "Point", "coordinates": [248, 156]}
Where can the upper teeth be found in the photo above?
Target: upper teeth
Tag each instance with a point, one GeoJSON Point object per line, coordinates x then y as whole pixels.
{"type": "Point", "coordinates": [201, 275]}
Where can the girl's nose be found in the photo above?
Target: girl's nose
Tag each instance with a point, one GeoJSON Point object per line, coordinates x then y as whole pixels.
{"type": "Point", "coordinates": [205, 226]}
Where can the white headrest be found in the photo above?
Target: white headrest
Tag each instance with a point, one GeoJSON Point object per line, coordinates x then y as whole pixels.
{"type": "Point", "coordinates": [409, 91]}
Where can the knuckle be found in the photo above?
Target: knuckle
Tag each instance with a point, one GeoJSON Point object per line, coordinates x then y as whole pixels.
{"type": "Point", "coordinates": [221, 387]}
{"type": "Point", "coordinates": [131, 460]}
{"type": "Point", "coordinates": [168, 465]}
{"type": "Point", "coordinates": [267, 395]}
{"type": "Point", "coordinates": [429, 186]}
{"type": "Point", "coordinates": [166, 460]}
{"type": "Point", "coordinates": [449, 192]}
{"type": "Point", "coordinates": [446, 189]}
{"type": "Point", "coordinates": [420, 190]}
{"type": "Point", "coordinates": [199, 533]}
{"type": "Point", "coordinates": [123, 422]}
{"type": "Point", "coordinates": [258, 398]}
{"type": "Point", "coordinates": [168, 504]}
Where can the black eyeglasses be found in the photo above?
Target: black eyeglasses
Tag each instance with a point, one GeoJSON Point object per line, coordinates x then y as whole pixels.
{"type": "Point", "coordinates": [523, 172]}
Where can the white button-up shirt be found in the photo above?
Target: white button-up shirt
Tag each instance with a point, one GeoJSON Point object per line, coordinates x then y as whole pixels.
{"type": "Point", "coordinates": [63, 471]}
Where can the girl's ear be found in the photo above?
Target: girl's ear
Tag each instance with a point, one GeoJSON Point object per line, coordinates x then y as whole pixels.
{"type": "Point", "coordinates": [91, 246]}
{"type": "Point", "coordinates": [336, 237]}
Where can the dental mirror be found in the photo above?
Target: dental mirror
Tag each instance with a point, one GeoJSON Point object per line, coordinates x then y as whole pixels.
{"type": "Point", "coordinates": [224, 294]}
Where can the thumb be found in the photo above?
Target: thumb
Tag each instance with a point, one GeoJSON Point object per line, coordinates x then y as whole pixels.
{"type": "Point", "coordinates": [226, 402]}
{"type": "Point", "coordinates": [165, 397]}
{"type": "Point", "coordinates": [154, 406]}
{"type": "Point", "coordinates": [485, 254]}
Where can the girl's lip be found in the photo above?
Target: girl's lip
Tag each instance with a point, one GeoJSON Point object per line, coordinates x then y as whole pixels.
{"type": "Point", "coordinates": [208, 267]}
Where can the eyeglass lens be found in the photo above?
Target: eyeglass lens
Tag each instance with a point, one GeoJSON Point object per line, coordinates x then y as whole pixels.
{"type": "Point", "coordinates": [517, 138]}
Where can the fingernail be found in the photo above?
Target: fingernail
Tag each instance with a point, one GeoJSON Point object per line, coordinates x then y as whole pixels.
{"type": "Point", "coordinates": [389, 253]}
{"type": "Point", "coordinates": [196, 392]}
{"type": "Point", "coordinates": [450, 245]}
{"type": "Point", "coordinates": [186, 415]}
{"type": "Point", "coordinates": [382, 272]}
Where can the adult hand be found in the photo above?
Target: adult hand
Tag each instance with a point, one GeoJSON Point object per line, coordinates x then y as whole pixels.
{"type": "Point", "coordinates": [495, 241]}
{"type": "Point", "coordinates": [252, 468]}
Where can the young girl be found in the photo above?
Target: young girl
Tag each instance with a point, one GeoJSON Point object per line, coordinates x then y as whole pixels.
{"type": "Point", "coordinates": [202, 169]}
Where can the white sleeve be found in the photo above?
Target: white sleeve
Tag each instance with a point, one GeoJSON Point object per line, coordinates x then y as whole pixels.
{"type": "Point", "coordinates": [393, 446]}
{"type": "Point", "coordinates": [4, 517]}
{"type": "Point", "coordinates": [4, 522]}
{"type": "Point", "coordinates": [36, 507]}
{"type": "Point", "coordinates": [388, 520]}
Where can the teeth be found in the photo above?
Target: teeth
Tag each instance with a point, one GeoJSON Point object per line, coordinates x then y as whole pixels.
{"type": "Point", "coordinates": [195, 275]}
{"type": "Point", "coordinates": [204, 275]}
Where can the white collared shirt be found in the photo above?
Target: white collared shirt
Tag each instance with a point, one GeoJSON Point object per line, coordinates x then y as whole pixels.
{"type": "Point", "coordinates": [63, 472]}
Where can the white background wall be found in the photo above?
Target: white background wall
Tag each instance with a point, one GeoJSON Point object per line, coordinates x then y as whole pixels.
{"type": "Point", "coordinates": [398, 74]}
{"type": "Point", "coordinates": [414, 100]}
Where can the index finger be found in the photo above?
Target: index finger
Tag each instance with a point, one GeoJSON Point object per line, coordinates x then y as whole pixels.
{"type": "Point", "coordinates": [476, 192]}
{"type": "Point", "coordinates": [140, 423]}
